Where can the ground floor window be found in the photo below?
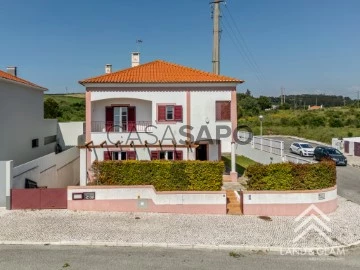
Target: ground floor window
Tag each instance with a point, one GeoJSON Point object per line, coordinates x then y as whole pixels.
{"type": "Point", "coordinates": [119, 155]}
{"type": "Point", "coordinates": [167, 155]}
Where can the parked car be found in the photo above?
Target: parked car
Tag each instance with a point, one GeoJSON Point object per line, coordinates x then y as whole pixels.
{"type": "Point", "coordinates": [322, 152]}
{"type": "Point", "coordinates": [302, 149]}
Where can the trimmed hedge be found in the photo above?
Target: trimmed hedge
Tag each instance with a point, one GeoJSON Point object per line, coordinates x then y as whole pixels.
{"type": "Point", "coordinates": [163, 175]}
{"type": "Point", "coordinates": [290, 176]}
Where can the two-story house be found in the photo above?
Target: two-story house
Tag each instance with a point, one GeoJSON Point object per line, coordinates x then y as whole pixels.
{"type": "Point", "coordinates": [25, 134]}
{"type": "Point", "coordinates": [158, 110]}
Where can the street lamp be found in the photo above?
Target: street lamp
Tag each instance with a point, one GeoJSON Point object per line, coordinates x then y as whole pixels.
{"type": "Point", "coordinates": [261, 119]}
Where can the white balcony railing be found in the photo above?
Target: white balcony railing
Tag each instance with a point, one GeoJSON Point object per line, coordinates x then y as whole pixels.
{"type": "Point", "coordinates": [138, 126]}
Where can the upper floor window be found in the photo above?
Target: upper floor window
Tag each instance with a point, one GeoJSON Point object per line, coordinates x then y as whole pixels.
{"type": "Point", "coordinates": [223, 110]}
{"type": "Point", "coordinates": [170, 113]}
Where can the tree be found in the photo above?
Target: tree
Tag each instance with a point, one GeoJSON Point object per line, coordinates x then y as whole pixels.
{"type": "Point", "coordinates": [51, 108]}
{"type": "Point", "coordinates": [249, 106]}
{"type": "Point", "coordinates": [248, 93]}
{"type": "Point", "coordinates": [264, 102]}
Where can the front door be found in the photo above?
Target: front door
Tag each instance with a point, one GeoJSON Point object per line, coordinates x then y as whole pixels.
{"type": "Point", "coordinates": [202, 152]}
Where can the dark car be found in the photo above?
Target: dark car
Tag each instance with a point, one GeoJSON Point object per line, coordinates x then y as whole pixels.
{"type": "Point", "coordinates": [325, 152]}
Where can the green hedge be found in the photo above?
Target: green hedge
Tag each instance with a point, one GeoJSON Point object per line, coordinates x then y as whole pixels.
{"type": "Point", "coordinates": [163, 175]}
{"type": "Point", "coordinates": [290, 176]}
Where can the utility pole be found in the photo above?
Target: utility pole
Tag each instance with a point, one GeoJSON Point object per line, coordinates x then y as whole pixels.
{"type": "Point", "coordinates": [216, 36]}
{"type": "Point", "coordinates": [282, 96]}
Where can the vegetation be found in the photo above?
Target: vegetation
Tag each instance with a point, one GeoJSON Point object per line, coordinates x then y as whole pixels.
{"type": "Point", "coordinates": [65, 107]}
{"type": "Point", "coordinates": [290, 176]}
{"type": "Point", "coordinates": [163, 175]}
{"type": "Point", "coordinates": [241, 163]}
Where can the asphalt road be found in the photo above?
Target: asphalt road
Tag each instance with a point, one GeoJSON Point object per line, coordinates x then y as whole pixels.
{"type": "Point", "coordinates": [82, 257]}
{"type": "Point", "coordinates": [348, 178]}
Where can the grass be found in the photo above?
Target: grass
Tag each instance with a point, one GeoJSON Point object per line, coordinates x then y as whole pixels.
{"type": "Point", "coordinates": [71, 106]}
{"type": "Point", "coordinates": [241, 163]}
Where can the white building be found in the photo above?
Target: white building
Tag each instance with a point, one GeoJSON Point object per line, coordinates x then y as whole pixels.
{"type": "Point", "coordinates": [158, 110]}
{"type": "Point", "coordinates": [25, 134]}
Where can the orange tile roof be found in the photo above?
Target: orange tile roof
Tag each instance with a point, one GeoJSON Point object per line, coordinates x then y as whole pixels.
{"type": "Point", "coordinates": [8, 76]}
{"type": "Point", "coordinates": [160, 72]}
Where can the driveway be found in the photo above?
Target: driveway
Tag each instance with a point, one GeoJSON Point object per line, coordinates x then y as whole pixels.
{"type": "Point", "coordinates": [348, 178]}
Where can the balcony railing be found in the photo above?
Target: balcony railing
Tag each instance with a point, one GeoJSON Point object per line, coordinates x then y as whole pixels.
{"type": "Point", "coordinates": [138, 126]}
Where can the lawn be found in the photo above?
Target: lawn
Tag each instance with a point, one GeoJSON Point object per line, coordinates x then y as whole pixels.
{"type": "Point", "coordinates": [241, 163]}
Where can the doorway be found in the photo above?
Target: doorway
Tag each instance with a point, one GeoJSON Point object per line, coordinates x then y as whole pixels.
{"type": "Point", "coordinates": [202, 152]}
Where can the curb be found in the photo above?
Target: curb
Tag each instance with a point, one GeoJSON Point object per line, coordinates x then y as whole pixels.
{"type": "Point", "coordinates": [178, 246]}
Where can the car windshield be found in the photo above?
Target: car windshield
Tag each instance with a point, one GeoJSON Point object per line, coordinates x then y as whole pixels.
{"type": "Point", "coordinates": [333, 152]}
{"type": "Point", "coordinates": [305, 145]}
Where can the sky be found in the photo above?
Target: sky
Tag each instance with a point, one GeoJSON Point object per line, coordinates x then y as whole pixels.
{"type": "Point", "coordinates": [305, 46]}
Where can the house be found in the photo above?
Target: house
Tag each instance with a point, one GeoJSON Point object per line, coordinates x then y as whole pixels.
{"type": "Point", "coordinates": [158, 110]}
{"type": "Point", "coordinates": [25, 134]}
{"type": "Point", "coordinates": [312, 108]}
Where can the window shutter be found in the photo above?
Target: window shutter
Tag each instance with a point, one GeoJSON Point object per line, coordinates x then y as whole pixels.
{"type": "Point", "coordinates": [107, 155]}
{"type": "Point", "coordinates": [161, 113]}
{"type": "Point", "coordinates": [218, 110]}
{"type": "Point", "coordinates": [226, 110]}
{"type": "Point", "coordinates": [154, 155]}
{"type": "Point", "coordinates": [131, 119]}
{"type": "Point", "coordinates": [131, 155]}
{"type": "Point", "coordinates": [178, 155]}
{"type": "Point", "coordinates": [178, 113]}
{"type": "Point", "coordinates": [109, 118]}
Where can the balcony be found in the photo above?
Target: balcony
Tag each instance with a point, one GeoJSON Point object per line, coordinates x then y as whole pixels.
{"type": "Point", "coordinates": [130, 126]}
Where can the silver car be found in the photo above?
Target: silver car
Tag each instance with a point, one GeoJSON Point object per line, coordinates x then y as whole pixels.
{"type": "Point", "coordinates": [302, 149]}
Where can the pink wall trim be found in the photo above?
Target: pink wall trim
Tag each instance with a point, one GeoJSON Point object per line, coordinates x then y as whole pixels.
{"type": "Point", "coordinates": [288, 191]}
{"type": "Point", "coordinates": [132, 206]}
{"type": "Point", "coordinates": [287, 209]}
{"type": "Point", "coordinates": [233, 112]}
{"type": "Point", "coordinates": [88, 126]}
{"type": "Point", "coordinates": [161, 89]}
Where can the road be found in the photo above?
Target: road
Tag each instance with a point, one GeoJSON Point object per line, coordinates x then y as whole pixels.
{"type": "Point", "coordinates": [82, 257]}
{"type": "Point", "coordinates": [348, 178]}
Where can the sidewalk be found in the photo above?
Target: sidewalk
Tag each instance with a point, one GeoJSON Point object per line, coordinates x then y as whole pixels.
{"type": "Point", "coordinates": [64, 227]}
{"type": "Point", "coordinates": [353, 161]}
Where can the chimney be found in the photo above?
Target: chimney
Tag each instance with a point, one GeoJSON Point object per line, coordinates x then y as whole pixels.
{"type": "Point", "coordinates": [12, 71]}
{"type": "Point", "coordinates": [135, 59]}
{"type": "Point", "coordinates": [108, 68]}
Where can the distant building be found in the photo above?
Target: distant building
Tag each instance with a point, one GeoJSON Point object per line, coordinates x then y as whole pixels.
{"type": "Point", "coordinates": [312, 108]}
{"type": "Point", "coordinates": [25, 134]}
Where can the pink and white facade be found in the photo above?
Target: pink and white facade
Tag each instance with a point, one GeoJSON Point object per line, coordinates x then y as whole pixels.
{"type": "Point", "coordinates": [128, 112]}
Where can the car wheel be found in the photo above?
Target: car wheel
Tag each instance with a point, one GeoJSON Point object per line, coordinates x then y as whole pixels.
{"type": "Point", "coordinates": [314, 158]}
{"type": "Point", "coordinates": [291, 151]}
{"type": "Point", "coordinates": [301, 153]}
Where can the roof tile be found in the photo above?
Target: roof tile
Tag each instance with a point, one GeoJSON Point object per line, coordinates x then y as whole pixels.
{"type": "Point", "coordinates": [8, 76]}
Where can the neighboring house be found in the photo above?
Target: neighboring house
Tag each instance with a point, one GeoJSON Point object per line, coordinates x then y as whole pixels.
{"type": "Point", "coordinates": [129, 111]}
{"type": "Point", "coordinates": [312, 108]}
{"type": "Point", "coordinates": [25, 134]}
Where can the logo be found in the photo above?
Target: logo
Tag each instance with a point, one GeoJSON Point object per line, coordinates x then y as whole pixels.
{"type": "Point", "coordinates": [312, 222]}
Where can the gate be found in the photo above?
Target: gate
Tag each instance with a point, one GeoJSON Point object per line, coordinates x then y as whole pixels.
{"type": "Point", "coordinates": [357, 149]}
{"type": "Point", "coordinates": [346, 147]}
{"type": "Point", "coordinates": [39, 198]}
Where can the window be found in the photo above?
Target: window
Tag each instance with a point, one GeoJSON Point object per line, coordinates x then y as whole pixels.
{"type": "Point", "coordinates": [167, 155]}
{"type": "Point", "coordinates": [119, 155]}
{"type": "Point", "coordinates": [35, 143]}
{"type": "Point", "coordinates": [169, 112]}
{"type": "Point", "coordinates": [49, 139]}
{"type": "Point", "coordinates": [223, 110]}
{"type": "Point", "coordinates": [172, 113]}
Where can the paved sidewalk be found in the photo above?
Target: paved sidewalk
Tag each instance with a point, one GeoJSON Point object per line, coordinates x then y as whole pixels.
{"type": "Point", "coordinates": [64, 227]}
{"type": "Point", "coordinates": [353, 161]}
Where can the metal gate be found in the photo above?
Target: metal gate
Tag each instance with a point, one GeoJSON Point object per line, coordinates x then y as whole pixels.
{"type": "Point", "coordinates": [39, 198]}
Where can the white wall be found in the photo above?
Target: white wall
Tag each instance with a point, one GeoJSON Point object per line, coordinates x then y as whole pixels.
{"type": "Point", "coordinates": [53, 170]}
{"type": "Point", "coordinates": [22, 119]}
{"type": "Point", "coordinates": [71, 134]}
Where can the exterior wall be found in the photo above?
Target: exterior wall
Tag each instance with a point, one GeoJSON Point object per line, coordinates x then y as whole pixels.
{"type": "Point", "coordinates": [71, 134]}
{"type": "Point", "coordinates": [22, 119]}
{"type": "Point", "coordinates": [2, 184]}
{"type": "Point", "coordinates": [146, 199]}
{"type": "Point", "coordinates": [52, 170]}
{"type": "Point", "coordinates": [288, 203]}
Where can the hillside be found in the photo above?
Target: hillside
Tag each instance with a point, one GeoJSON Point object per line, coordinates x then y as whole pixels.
{"type": "Point", "coordinates": [70, 107]}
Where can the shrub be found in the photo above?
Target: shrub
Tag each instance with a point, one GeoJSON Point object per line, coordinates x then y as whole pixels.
{"type": "Point", "coordinates": [163, 175]}
{"type": "Point", "coordinates": [335, 122]}
{"type": "Point", "coordinates": [290, 176]}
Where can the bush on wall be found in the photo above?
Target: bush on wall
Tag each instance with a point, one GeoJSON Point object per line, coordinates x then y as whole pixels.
{"type": "Point", "coordinates": [163, 175]}
{"type": "Point", "coordinates": [290, 176]}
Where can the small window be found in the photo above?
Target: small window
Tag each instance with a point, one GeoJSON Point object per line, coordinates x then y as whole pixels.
{"type": "Point", "coordinates": [49, 139]}
{"type": "Point", "coordinates": [223, 110]}
{"type": "Point", "coordinates": [169, 112]}
{"type": "Point", "coordinates": [119, 155]}
{"type": "Point", "coordinates": [162, 155]}
{"type": "Point", "coordinates": [35, 143]}
{"type": "Point", "coordinates": [170, 155]}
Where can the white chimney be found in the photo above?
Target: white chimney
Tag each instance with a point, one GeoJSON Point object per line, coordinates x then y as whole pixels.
{"type": "Point", "coordinates": [12, 71]}
{"type": "Point", "coordinates": [135, 59]}
{"type": "Point", "coordinates": [108, 68]}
